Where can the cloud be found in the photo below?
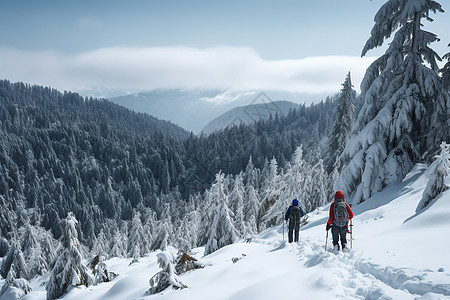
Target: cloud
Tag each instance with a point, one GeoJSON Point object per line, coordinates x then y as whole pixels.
{"type": "Point", "coordinates": [144, 69]}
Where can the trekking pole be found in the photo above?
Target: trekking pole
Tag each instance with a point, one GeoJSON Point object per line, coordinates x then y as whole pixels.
{"type": "Point", "coordinates": [351, 233]}
{"type": "Point", "coordinates": [326, 240]}
{"type": "Point", "coordinates": [283, 225]}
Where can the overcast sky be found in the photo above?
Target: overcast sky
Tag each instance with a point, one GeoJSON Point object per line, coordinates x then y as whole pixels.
{"type": "Point", "coordinates": [301, 46]}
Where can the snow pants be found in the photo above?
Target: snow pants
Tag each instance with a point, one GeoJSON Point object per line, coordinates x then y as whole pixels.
{"type": "Point", "coordinates": [339, 232]}
{"type": "Point", "coordinates": [293, 227]}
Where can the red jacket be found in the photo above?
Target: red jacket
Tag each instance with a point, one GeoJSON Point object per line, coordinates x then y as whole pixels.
{"type": "Point", "coordinates": [339, 194]}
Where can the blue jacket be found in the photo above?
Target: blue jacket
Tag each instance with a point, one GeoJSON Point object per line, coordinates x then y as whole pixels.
{"type": "Point", "coordinates": [294, 203]}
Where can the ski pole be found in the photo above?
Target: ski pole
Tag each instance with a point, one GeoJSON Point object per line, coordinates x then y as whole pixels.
{"type": "Point", "coordinates": [283, 225]}
{"type": "Point", "coordinates": [326, 240]}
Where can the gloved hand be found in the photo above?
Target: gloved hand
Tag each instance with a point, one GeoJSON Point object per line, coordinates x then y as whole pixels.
{"type": "Point", "coordinates": [328, 226]}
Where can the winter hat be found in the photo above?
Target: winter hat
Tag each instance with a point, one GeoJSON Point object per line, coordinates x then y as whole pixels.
{"type": "Point", "coordinates": [339, 194]}
{"type": "Point", "coordinates": [295, 202]}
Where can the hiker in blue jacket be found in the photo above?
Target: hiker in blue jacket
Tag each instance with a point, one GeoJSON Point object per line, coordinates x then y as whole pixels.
{"type": "Point", "coordinates": [293, 214]}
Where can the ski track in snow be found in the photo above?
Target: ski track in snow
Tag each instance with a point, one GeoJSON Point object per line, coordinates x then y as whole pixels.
{"type": "Point", "coordinates": [345, 275]}
{"type": "Point", "coordinates": [361, 279]}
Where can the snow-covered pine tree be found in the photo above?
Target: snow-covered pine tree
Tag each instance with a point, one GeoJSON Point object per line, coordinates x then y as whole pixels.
{"type": "Point", "coordinates": [101, 245]}
{"type": "Point", "coordinates": [18, 264]}
{"type": "Point", "coordinates": [446, 72]}
{"type": "Point", "coordinates": [294, 177]}
{"type": "Point", "coordinates": [8, 260]}
{"type": "Point", "coordinates": [118, 245]}
{"type": "Point", "coordinates": [272, 188]}
{"type": "Point", "coordinates": [48, 246]}
{"type": "Point", "coordinates": [4, 246]}
{"type": "Point", "coordinates": [186, 233]}
{"type": "Point", "coordinates": [343, 122]}
{"type": "Point", "coordinates": [222, 230]}
{"type": "Point", "coordinates": [36, 263]}
{"type": "Point", "coordinates": [68, 269]}
{"type": "Point", "coordinates": [440, 120]}
{"type": "Point", "coordinates": [14, 288]}
{"type": "Point", "coordinates": [251, 209]}
{"type": "Point", "coordinates": [437, 173]}
{"type": "Point", "coordinates": [135, 237]}
{"type": "Point", "coordinates": [149, 217]}
{"type": "Point", "coordinates": [164, 232]}
{"type": "Point", "coordinates": [319, 190]}
{"type": "Point", "coordinates": [251, 174]}
{"type": "Point", "coordinates": [399, 91]}
{"type": "Point", "coordinates": [236, 203]}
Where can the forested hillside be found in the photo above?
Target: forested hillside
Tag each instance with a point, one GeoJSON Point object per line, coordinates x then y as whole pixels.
{"type": "Point", "coordinates": [128, 183]}
{"type": "Point", "coordinates": [60, 153]}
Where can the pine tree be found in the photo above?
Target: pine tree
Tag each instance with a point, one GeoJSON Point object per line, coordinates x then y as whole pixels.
{"type": "Point", "coordinates": [399, 91]}
{"type": "Point", "coordinates": [236, 203]}
{"type": "Point", "coordinates": [294, 177]}
{"type": "Point", "coordinates": [222, 230]}
{"type": "Point", "coordinates": [251, 209]}
{"type": "Point", "coordinates": [437, 173]}
{"type": "Point", "coordinates": [164, 231]}
{"type": "Point", "coordinates": [19, 265]}
{"type": "Point", "coordinates": [272, 204]}
{"type": "Point", "coordinates": [118, 245]}
{"type": "Point", "coordinates": [68, 270]}
{"type": "Point", "coordinates": [343, 122]}
{"type": "Point", "coordinates": [8, 260]}
{"type": "Point", "coordinates": [135, 237]}
{"type": "Point", "coordinates": [440, 119]}
{"type": "Point", "coordinates": [446, 71]}
{"type": "Point", "coordinates": [101, 245]}
{"type": "Point", "coordinates": [319, 191]}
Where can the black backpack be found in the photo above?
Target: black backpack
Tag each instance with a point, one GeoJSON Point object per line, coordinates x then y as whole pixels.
{"type": "Point", "coordinates": [294, 215]}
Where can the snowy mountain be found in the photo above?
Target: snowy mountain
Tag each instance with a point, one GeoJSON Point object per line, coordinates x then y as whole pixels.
{"type": "Point", "coordinates": [249, 114]}
{"type": "Point", "coordinates": [396, 254]}
{"type": "Point", "coordinates": [193, 109]}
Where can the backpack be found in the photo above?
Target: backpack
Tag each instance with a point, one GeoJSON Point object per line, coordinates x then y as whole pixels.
{"type": "Point", "coordinates": [294, 215]}
{"type": "Point", "coordinates": [340, 213]}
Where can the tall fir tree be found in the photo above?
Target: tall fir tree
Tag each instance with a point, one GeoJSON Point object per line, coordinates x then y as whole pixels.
{"type": "Point", "coordinates": [399, 91]}
{"type": "Point", "coordinates": [343, 122]}
{"type": "Point", "coordinates": [272, 188]}
{"type": "Point", "coordinates": [68, 270]}
{"type": "Point", "coordinates": [236, 203]}
{"type": "Point", "coordinates": [135, 239]}
{"type": "Point", "coordinates": [222, 230]}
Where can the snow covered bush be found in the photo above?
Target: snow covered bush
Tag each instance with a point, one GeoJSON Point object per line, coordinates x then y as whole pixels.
{"type": "Point", "coordinates": [68, 270]}
{"type": "Point", "coordinates": [185, 263]}
{"type": "Point", "coordinates": [437, 173]}
{"type": "Point", "coordinates": [14, 288]}
{"type": "Point", "coordinates": [167, 277]}
{"type": "Point", "coordinates": [101, 272]}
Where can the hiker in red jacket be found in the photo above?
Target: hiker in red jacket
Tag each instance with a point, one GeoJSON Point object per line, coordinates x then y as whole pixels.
{"type": "Point", "coordinates": [340, 213]}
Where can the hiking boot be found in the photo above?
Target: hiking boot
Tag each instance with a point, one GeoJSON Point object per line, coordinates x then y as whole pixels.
{"type": "Point", "coordinates": [336, 247]}
{"type": "Point", "coordinates": [344, 246]}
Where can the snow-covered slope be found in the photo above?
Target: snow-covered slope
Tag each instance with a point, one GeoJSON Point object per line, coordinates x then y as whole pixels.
{"type": "Point", "coordinates": [396, 255]}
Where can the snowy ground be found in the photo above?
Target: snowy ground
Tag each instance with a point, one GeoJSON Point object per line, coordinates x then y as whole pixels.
{"type": "Point", "coordinates": [396, 255]}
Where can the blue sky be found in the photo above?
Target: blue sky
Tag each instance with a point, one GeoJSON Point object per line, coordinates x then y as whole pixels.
{"type": "Point", "coordinates": [115, 35]}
